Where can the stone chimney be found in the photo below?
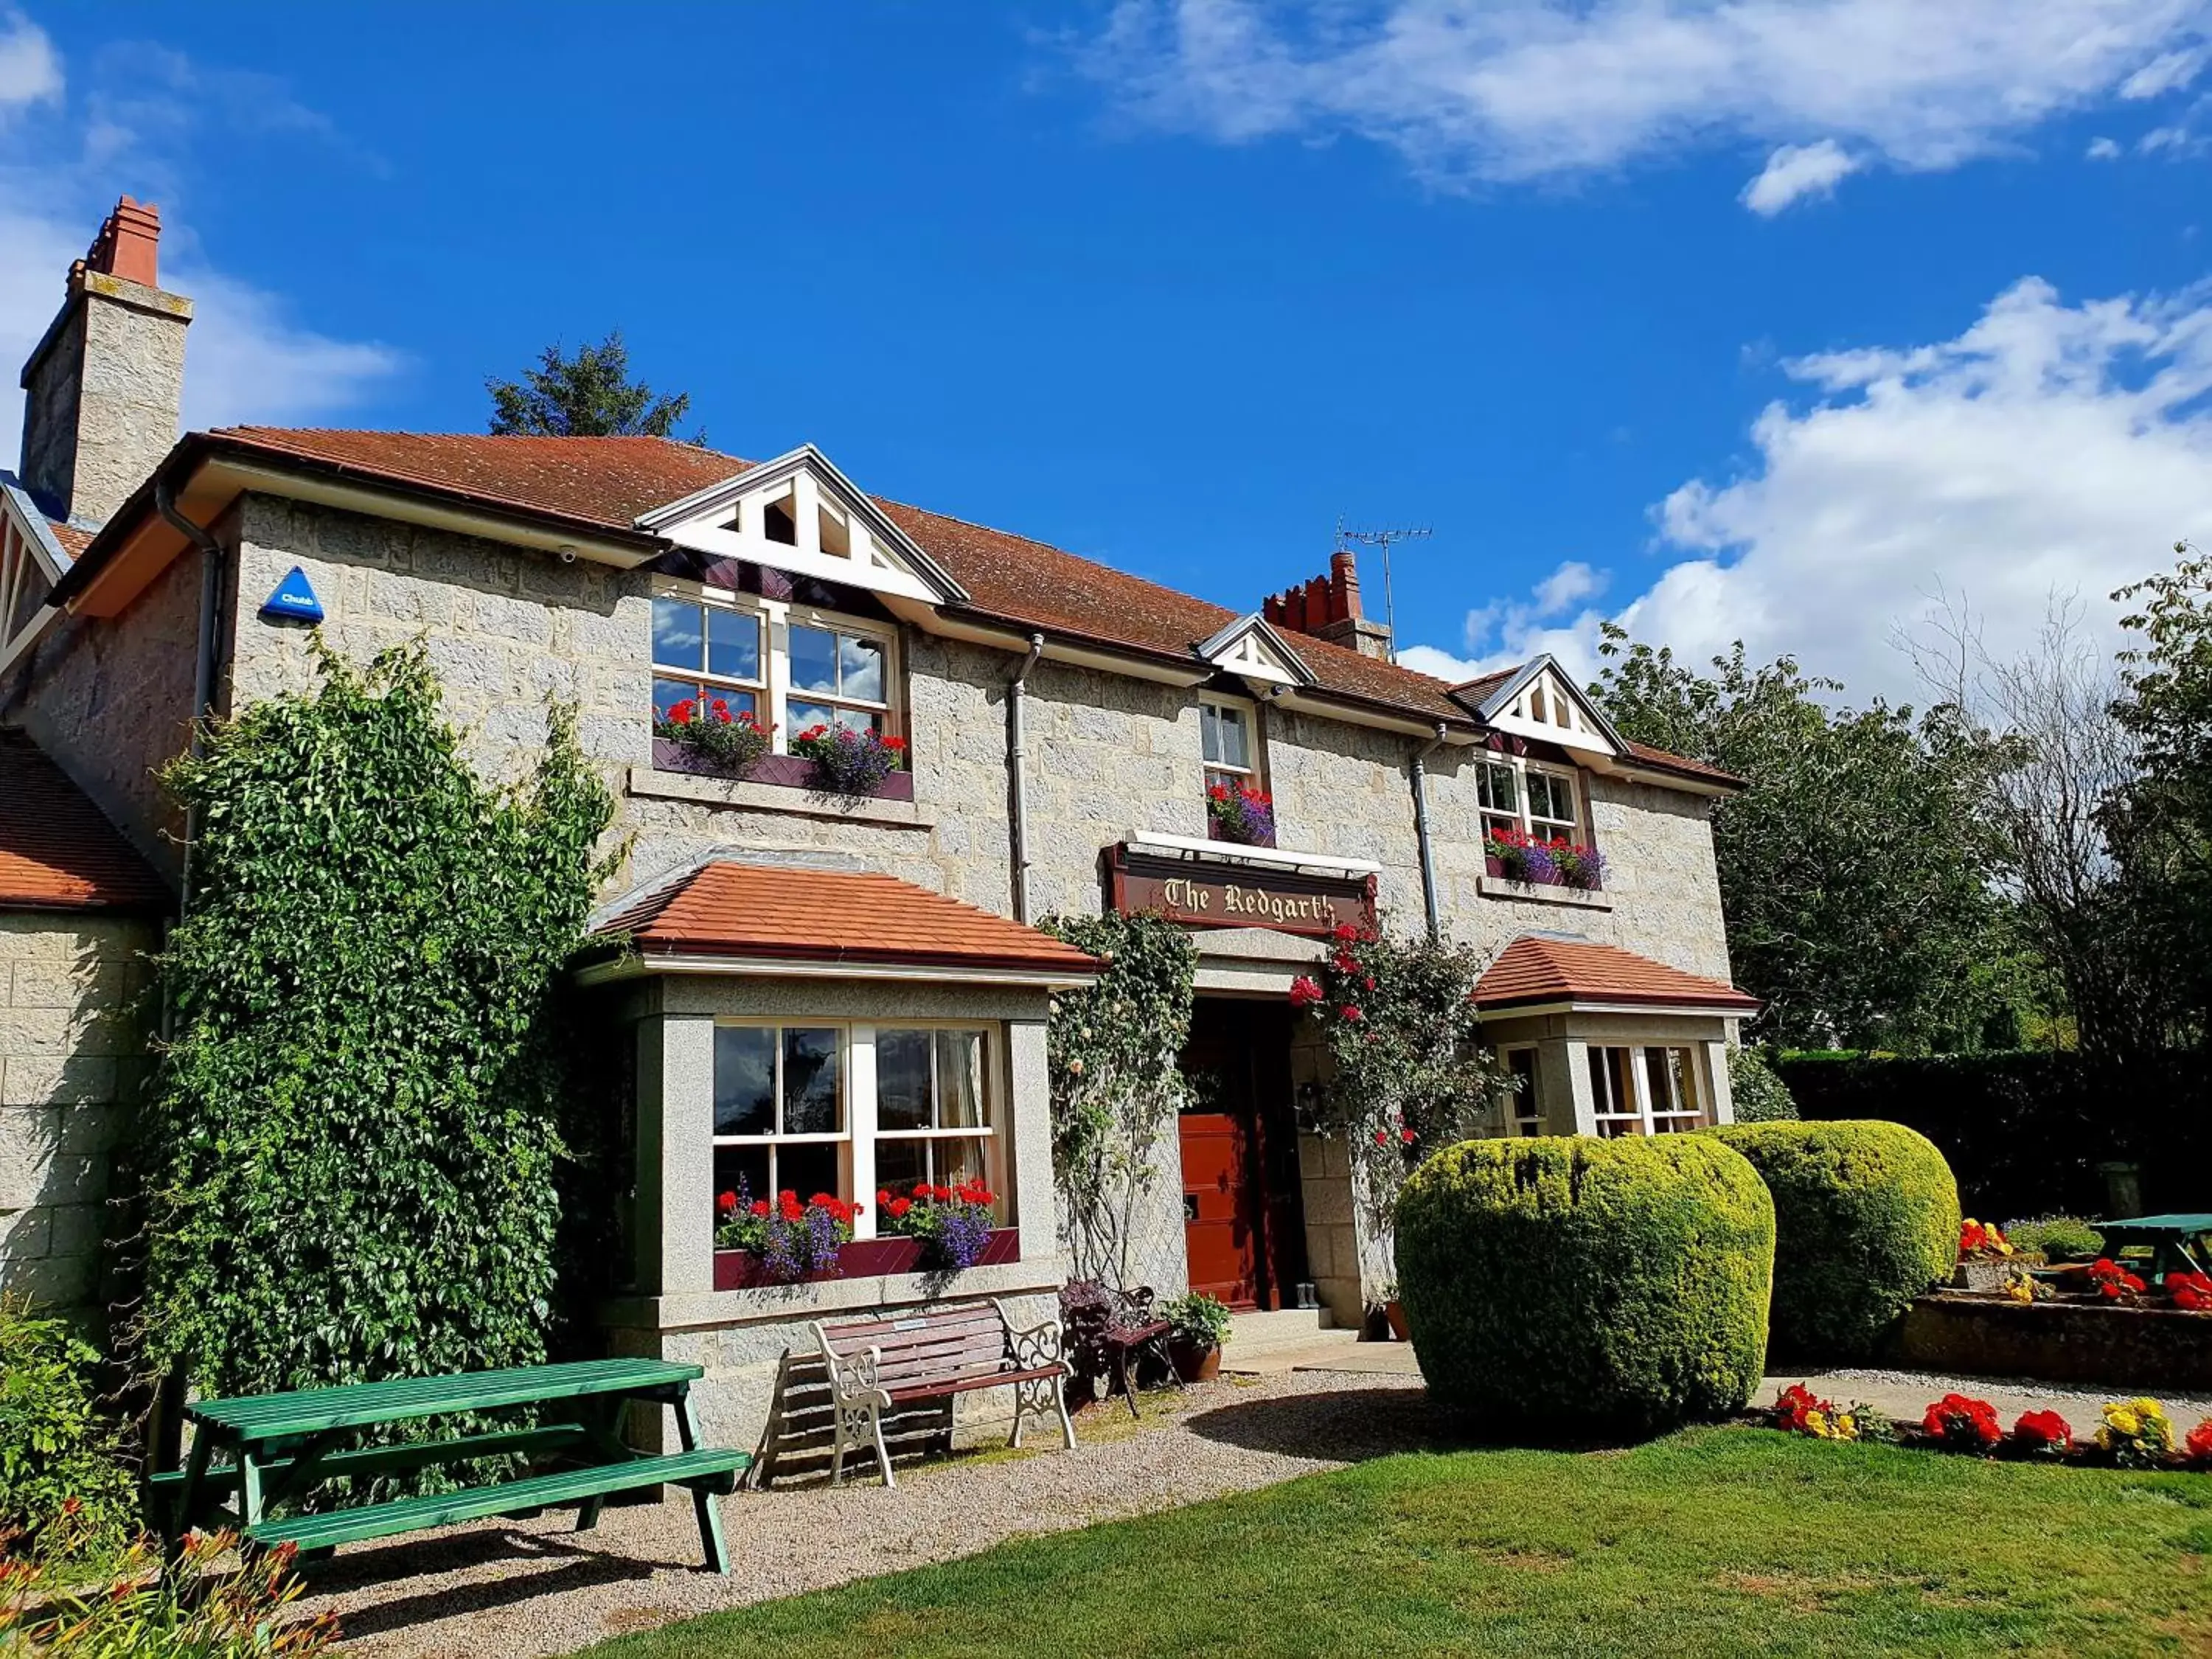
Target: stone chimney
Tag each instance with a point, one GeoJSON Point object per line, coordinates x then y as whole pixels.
{"type": "Point", "coordinates": [1327, 608]}
{"type": "Point", "coordinates": [102, 391]}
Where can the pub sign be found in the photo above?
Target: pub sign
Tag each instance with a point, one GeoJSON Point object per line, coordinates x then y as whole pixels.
{"type": "Point", "coordinates": [1206, 893]}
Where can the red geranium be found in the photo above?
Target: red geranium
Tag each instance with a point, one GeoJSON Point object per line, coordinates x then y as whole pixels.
{"type": "Point", "coordinates": [1959, 1421]}
{"type": "Point", "coordinates": [2196, 1445]}
{"type": "Point", "coordinates": [2045, 1432]}
{"type": "Point", "coordinates": [2114, 1283]}
{"type": "Point", "coordinates": [760, 1206]}
{"type": "Point", "coordinates": [680, 713]}
{"type": "Point", "coordinates": [725, 1203]}
{"type": "Point", "coordinates": [2191, 1291]}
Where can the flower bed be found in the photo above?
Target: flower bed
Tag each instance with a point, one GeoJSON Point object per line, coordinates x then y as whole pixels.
{"type": "Point", "coordinates": [1518, 856]}
{"type": "Point", "coordinates": [2130, 1434]}
{"type": "Point", "coordinates": [786, 771]}
{"type": "Point", "coordinates": [872, 1258]}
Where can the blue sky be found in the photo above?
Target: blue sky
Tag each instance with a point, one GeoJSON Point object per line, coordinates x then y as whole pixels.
{"type": "Point", "coordinates": [1770, 319]}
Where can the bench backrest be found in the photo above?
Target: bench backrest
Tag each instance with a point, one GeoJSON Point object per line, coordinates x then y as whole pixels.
{"type": "Point", "coordinates": [946, 1344]}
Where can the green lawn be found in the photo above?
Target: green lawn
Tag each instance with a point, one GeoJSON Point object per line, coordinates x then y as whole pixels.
{"type": "Point", "coordinates": [1713, 1541]}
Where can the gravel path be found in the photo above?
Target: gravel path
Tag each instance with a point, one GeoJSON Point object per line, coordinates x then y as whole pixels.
{"type": "Point", "coordinates": [501, 1588]}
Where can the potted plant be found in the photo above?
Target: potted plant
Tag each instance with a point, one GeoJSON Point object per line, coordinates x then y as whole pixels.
{"type": "Point", "coordinates": [706, 729]}
{"type": "Point", "coordinates": [953, 1223]}
{"type": "Point", "coordinates": [1201, 1326]}
{"type": "Point", "coordinates": [1984, 1257]}
{"type": "Point", "coordinates": [1241, 813]}
{"type": "Point", "coordinates": [1394, 1311]}
{"type": "Point", "coordinates": [849, 761]}
{"type": "Point", "coordinates": [792, 1241]}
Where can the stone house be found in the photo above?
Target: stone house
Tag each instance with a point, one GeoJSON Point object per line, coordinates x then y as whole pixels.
{"type": "Point", "coordinates": [843, 990]}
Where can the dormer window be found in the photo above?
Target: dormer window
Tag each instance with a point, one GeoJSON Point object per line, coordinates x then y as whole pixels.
{"type": "Point", "coordinates": [837, 678]}
{"type": "Point", "coordinates": [715, 649]}
{"type": "Point", "coordinates": [1225, 735]}
{"type": "Point", "coordinates": [791, 666]}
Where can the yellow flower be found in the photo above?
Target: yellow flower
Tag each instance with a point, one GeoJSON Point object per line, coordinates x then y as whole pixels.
{"type": "Point", "coordinates": [1816, 1423]}
{"type": "Point", "coordinates": [1847, 1427]}
{"type": "Point", "coordinates": [2122, 1420]}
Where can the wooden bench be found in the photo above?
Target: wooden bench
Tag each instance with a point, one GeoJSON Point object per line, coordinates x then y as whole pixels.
{"type": "Point", "coordinates": [274, 1448]}
{"type": "Point", "coordinates": [876, 1365]}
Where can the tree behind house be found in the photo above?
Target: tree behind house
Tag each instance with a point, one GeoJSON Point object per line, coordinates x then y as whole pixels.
{"type": "Point", "coordinates": [1856, 869]}
{"type": "Point", "coordinates": [590, 395]}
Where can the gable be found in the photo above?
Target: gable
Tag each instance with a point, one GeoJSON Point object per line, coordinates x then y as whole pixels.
{"type": "Point", "coordinates": [1539, 700]}
{"type": "Point", "coordinates": [31, 560]}
{"type": "Point", "coordinates": [1250, 648]}
{"type": "Point", "coordinates": [800, 514]}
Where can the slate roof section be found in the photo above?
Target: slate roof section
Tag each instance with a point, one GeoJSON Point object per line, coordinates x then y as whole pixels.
{"type": "Point", "coordinates": [836, 917]}
{"type": "Point", "coordinates": [57, 851]}
{"type": "Point", "coordinates": [1535, 969]}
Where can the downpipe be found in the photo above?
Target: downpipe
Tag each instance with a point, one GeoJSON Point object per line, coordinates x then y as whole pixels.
{"type": "Point", "coordinates": [1018, 783]}
{"type": "Point", "coordinates": [1420, 770]}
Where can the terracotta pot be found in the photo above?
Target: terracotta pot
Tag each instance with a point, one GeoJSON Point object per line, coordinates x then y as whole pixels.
{"type": "Point", "coordinates": [1194, 1364]}
{"type": "Point", "coordinates": [1395, 1313]}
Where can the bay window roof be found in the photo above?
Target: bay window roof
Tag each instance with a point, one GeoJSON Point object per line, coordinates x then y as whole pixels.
{"type": "Point", "coordinates": [724, 914]}
{"type": "Point", "coordinates": [1543, 970]}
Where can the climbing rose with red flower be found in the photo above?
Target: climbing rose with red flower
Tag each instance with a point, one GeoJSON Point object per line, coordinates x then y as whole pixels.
{"type": "Point", "coordinates": [1304, 993]}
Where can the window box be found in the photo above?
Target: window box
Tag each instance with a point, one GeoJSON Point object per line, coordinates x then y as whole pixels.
{"type": "Point", "coordinates": [1496, 867]}
{"type": "Point", "coordinates": [1215, 832]}
{"type": "Point", "coordinates": [787, 771]}
{"type": "Point", "coordinates": [864, 1258]}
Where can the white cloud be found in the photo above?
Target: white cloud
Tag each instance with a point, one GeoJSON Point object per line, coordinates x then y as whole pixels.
{"type": "Point", "coordinates": [2104, 150]}
{"type": "Point", "coordinates": [1795, 171]}
{"type": "Point", "coordinates": [1554, 617]}
{"type": "Point", "coordinates": [246, 357]}
{"type": "Point", "coordinates": [1520, 89]}
{"type": "Point", "coordinates": [30, 69]}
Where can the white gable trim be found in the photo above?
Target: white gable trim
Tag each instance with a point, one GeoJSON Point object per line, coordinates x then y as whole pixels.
{"type": "Point", "coordinates": [31, 562]}
{"type": "Point", "coordinates": [1591, 731]}
{"type": "Point", "coordinates": [883, 558]}
{"type": "Point", "coordinates": [1250, 647]}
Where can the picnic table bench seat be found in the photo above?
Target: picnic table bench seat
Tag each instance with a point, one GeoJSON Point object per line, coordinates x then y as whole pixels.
{"type": "Point", "coordinates": [274, 1449]}
{"type": "Point", "coordinates": [876, 1365]}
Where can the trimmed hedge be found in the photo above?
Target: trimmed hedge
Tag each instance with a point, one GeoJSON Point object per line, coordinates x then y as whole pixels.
{"type": "Point", "coordinates": [1866, 1217]}
{"type": "Point", "coordinates": [1575, 1286]}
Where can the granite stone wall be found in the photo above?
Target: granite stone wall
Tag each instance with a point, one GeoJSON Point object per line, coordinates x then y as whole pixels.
{"type": "Point", "coordinates": [102, 398]}
{"type": "Point", "coordinates": [72, 1058]}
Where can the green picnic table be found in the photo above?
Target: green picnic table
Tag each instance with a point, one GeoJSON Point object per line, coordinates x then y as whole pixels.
{"type": "Point", "coordinates": [257, 1455]}
{"type": "Point", "coordinates": [2174, 1244]}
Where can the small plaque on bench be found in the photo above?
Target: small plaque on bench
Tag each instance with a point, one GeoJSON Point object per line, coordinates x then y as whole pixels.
{"type": "Point", "coordinates": [910, 1324]}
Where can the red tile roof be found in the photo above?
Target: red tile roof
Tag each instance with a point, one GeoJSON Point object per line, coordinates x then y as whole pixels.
{"type": "Point", "coordinates": [732, 909]}
{"type": "Point", "coordinates": [73, 539]}
{"type": "Point", "coordinates": [1535, 969]}
{"type": "Point", "coordinates": [56, 852]}
{"type": "Point", "coordinates": [606, 482]}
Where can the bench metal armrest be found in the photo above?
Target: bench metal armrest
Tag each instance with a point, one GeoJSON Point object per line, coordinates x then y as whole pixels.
{"type": "Point", "coordinates": [855, 1379]}
{"type": "Point", "coordinates": [1034, 1346]}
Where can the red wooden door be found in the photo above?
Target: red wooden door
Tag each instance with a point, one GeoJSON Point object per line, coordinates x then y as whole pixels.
{"type": "Point", "coordinates": [1219, 1238]}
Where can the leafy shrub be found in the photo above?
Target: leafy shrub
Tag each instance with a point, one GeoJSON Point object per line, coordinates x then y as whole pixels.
{"type": "Point", "coordinates": [356, 1142]}
{"type": "Point", "coordinates": [1198, 1318]}
{"type": "Point", "coordinates": [1760, 1096]}
{"type": "Point", "coordinates": [196, 1611]}
{"type": "Point", "coordinates": [2056, 1237]}
{"type": "Point", "coordinates": [1865, 1219]}
{"type": "Point", "coordinates": [1570, 1284]}
{"type": "Point", "coordinates": [55, 1446]}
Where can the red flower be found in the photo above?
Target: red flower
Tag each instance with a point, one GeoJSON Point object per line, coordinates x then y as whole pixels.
{"type": "Point", "coordinates": [1346, 931]}
{"type": "Point", "coordinates": [2114, 1283]}
{"type": "Point", "coordinates": [1406, 1136]}
{"type": "Point", "coordinates": [1304, 993]}
{"type": "Point", "coordinates": [1382, 1137]}
{"type": "Point", "coordinates": [883, 1195]}
{"type": "Point", "coordinates": [679, 713]}
{"type": "Point", "coordinates": [1958, 1420]}
{"type": "Point", "coordinates": [721, 710]}
{"type": "Point", "coordinates": [894, 743]}
{"type": "Point", "coordinates": [1370, 982]}
{"type": "Point", "coordinates": [2197, 1446]}
{"type": "Point", "coordinates": [898, 1206]}
{"type": "Point", "coordinates": [725, 1202]}
{"type": "Point", "coordinates": [760, 1206]}
{"type": "Point", "coordinates": [1795, 1403]}
{"type": "Point", "coordinates": [2044, 1431]}
{"type": "Point", "coordinates": [1219, 791]}
{"type": "Point", "coordinates": [2191, 1291]}
{"type": "Point", "coordinates": [1352, 1012]}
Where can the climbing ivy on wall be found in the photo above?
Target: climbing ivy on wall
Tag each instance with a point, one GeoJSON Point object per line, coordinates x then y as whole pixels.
{"type": "Point", "coordinates": [354, 1141]}
{"type": "Point", "coordinates": [1115, 1086]}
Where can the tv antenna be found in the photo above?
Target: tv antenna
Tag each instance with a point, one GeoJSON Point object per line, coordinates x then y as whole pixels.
{"type": "Point", "coordinates": [1383, 539]}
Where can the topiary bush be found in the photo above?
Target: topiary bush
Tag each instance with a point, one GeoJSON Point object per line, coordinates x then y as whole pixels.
{"type": "Point", "coordinates": [1573, 1285]}
{"type": "Point", "coordinates": [1865, 1219]}
{"type": "Point", "coordinates": [1759, 1094]}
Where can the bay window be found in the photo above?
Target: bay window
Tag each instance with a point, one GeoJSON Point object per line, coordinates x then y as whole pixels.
{"type": "Point", "coordinates": [1651, 1091]}
{"type": "Point", "coordinates": [791, 666]}
{"type": "Point", "coordinates": [847, 1108]}
{"type": "Point", "coordinates": [1522, 1109]}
